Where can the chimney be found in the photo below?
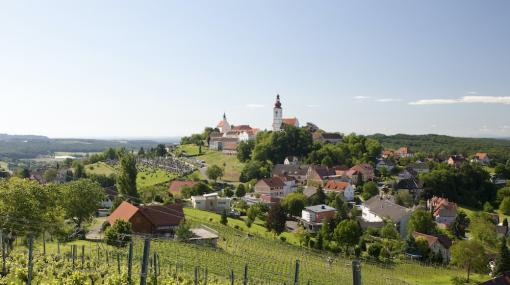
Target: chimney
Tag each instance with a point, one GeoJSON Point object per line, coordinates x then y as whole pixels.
{"type": "Point", "coordinates": [323, 207]}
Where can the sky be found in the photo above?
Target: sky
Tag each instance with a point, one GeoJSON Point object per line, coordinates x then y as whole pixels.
{"type": "Point", "coordinates": [169, 68]}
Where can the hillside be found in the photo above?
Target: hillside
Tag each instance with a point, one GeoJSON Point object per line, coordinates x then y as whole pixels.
{"type": "Point", "coordinates": [497, 148]}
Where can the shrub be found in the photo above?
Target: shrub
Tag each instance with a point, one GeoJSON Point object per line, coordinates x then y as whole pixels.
{"type": "Point", "coordinates": [119, 234]}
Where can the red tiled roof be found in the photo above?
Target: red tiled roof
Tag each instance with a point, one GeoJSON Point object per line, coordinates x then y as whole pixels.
{"type": "Point", "coordinates": [290, 121]}
{"type": "Point", "coordinates": [273, 182]}
{"type": "Point", "coordinates": [163, 215]}
{"type": "Point", "coordinates": [481, 155]}
{"type": "Point", "coordinates": [242, 128]}
{"type": "Point", "coordinates": [338, 186]}
{"type": "Point", "coordinates": [176, 186]}
{"type": "Point", "coordinates": [443, 240]}
{"type": "Point", "coordinates": [125, 211]}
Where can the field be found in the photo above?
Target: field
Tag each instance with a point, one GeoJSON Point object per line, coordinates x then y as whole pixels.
{"type": "Point", "coordinates": [270, 261]}
{"type": "Point", "coordinates": [232, 165]}
{"type": "Point", "coordinates": [100, 168]}
{"type": "Point", "coordinates": [3, 165]}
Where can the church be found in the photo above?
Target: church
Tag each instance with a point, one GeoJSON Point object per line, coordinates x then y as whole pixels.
{"type": "Point", "coordinates": [228, 136]}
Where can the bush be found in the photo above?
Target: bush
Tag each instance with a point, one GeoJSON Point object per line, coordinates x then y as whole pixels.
{"type": "Point", "coordinates": [119, 234]}
{"type": "Point", "coordinates": [105, 226]}
{"type": "Point", "coordinates": [374, 250]}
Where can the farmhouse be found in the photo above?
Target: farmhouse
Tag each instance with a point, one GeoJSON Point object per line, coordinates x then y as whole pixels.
{"type": "Point", "coordinates": [482, 158]}
{"type": "Point", "coordinates": [149, 219]}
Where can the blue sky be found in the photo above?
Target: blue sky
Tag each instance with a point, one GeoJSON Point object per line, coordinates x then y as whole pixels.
{"type": "Point", "coordinates": [169, 68]}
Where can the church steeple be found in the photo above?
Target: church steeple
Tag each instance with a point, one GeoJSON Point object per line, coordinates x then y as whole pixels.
{"type": "Point", "coordinates": [278, 104]}
{"type": "Point", "coordinates": [277, 114]}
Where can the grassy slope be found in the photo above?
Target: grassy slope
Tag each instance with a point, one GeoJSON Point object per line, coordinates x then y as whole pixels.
{"type": "Point", "coordinates": [100, 168]}
{"type": "Point", "coordinates": [233, 166]}
{"type": "Point", "coordinates": [3, 165]}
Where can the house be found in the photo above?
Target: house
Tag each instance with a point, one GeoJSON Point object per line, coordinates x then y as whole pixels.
{"type": "Point", "coordinates": [438, 244]}
{"type": "Point", "coordinates": [340, 187]}
{"type": "Point", "coordinates": [211, 202]}
{"type": "Point", "coordinates": [387, 164]}
{"type": "Point", "coordinates": [387, 153]}
{"type": "Point", "coordinates": [444, 211]}
{"type": "Point", "coordinates": [403, 152]}
{"type": "Point", "coordinates": [290, 185]}
{"type": "Point", "coordinates": [291, 122]}
{"type": "Point", "coordinates": [482, 158]}
{"type": "Point", "coordinates": [296, 172]}
{"type": "Point", "coordinates": [456, 160]}
{"type": "Point", "coordinates": [365, 170]}
{"type": "Point", "coordinates": [317, 175]}
{"type": "Point", "coordinates": [500, 280]}
{"type": "Point", "coordinates": [177, 186]}
{"type": "Point", "coordinates": [312, 217]}
{"type": "Point", "coordinates": [221, 143]}
{"type": "Point", "coordinates": [419, 167]}
{"type": "Point", "coordinates": [149, 219]}
{"type": "Point", "coordinates": [291, 160]}
{"type": "Point", "coordinates": [204, 236]}
{"type": "Point", "coordinates": [377, 209]}
{"type": "Point", "coordinates": [273, 187]}
{"type": "Point", "coordinates": [327, 137]}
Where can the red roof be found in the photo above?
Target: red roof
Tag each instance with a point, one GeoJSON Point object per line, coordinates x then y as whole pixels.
{"type": "Point", "coordinates": [337, 186]}
{"type": "Point", "coordinates": [481, 155]}
{"type": "Point", "coordinates": [125, 211]}
{"type": "Point", "coordinates": [443, 240]}
{"type": "Point", "coordinates": [290, 121]}
{"type": "Point", "coordinates": [176, 186]}
{"type": "Point", "coordinates": [273, 182]}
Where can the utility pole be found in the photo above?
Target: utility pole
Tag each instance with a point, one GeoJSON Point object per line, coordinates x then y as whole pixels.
{"type": "Point", "coordinates": [145, 261]}
{"type": "Point", "coordinates": [30, 258]}
{"type": "Point", "coordinates": [130, 261]}
{"type": "Point", "coordinates": [356, 272]}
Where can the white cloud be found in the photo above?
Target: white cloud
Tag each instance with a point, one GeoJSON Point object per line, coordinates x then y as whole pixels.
{"type": "Point", "coordinates": [465, 99]}
{"type": "Point", "coordinates": [388, 100]}
{"type": "Point", "coordinates": [361, 97]}
{"type": "Point", "coordinates": [472, 93]}
{"type": "Point", "coordinates": [254, 106]}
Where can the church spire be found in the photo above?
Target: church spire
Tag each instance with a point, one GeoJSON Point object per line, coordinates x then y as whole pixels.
{"type": "Point", "coordinates": [224, 116]}
{"type": "Point", "coordinates": [278, 104]}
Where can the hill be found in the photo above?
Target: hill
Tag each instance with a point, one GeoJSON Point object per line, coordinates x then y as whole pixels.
{"type": "Point", "coordinates": [437, 144]}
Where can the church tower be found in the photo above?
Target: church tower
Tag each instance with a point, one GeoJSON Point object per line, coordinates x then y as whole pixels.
{"type": "Point", "coordinates": [224, 126]}
{"type": "Point", "coordinates": [277, 115]}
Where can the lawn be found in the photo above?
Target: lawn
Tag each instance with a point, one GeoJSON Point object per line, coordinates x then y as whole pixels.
{"type": "Point", "coordinates": [232, 165]}
{"type": "Point", "coordinates": [3, 165]}
{"type": "Point", "coordinates": [189, 149]}
{"type": "Point", "coordinates": [100, 168]}
{"type": "Point", "coordinates": [151, 177]}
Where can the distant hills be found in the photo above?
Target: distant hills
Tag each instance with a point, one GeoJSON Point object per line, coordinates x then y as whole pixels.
{"type": "Point", "coordinates": [30, 146]}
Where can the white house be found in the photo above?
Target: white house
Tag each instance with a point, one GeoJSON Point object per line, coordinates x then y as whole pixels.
{"type": "Point", "coordinates": [377, 209]}
{"type": "Point", "coordinates": [345, 188]}
{"type": "Point", "coordinates": [312, 217]}
{"type": "Point", "coordinates": [211, 202]}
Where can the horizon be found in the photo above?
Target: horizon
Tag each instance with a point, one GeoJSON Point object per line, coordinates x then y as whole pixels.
{"type": "Point", "coordinates": [169, 69]}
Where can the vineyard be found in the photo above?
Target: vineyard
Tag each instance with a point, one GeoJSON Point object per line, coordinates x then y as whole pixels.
{"type": "Point", "coordinates": [238, 254]}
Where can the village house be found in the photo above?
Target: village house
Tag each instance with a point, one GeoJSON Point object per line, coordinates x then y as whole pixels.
{"type": "Point", "coordinates": [327, 137]}
{"type": "Point", "coordinates": [444, 211]}
{"type": "Point", "coordinates": [482, 158]}
{"type": "Point", "coordinates": [313, 217]}
{"type": "Point", "coordinates": [378, 209]}
{"type": "Point", "coordinates": [296, 172]}
{"type": "Point", "coordinates": [341, 187]}
{"type": "Point", "coordinates": [456, 160]}
{"type": "Point", "coordinates": [229, 136]}
{"type": "Point", "coordinates": [438, 244]}
{"type": "Point", "coordinates": [419, 167]}
{"type": "Point", "coordinates": [291, 160]}
{"type": "Point", "coordinates": [273, 187]}
{"type": "Point", "coordinates": [365, 170]}
{"type": "Point", "coordinates": [176, 186]}
{"type": "Point", "coordinates": [404, 152]}
{"type": "Point", "coordinates": [318, 175]}
{"type": "Point", "coordinates": [387, 164]}
{"type": "Point", "coordinates": [211, 202]}
{"type": "Point", "coordinates": [149, 219]}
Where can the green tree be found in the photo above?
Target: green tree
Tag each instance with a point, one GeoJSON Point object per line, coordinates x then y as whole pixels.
{"type": "Point", "coordinates": [126, 179]}
{"type": "Point", "coordinates": [504, 207]}
{"type": "Point", "coordinates": [294, 203]}
{"type": "Point", "coordinates": [347, 234]}
{"type": "Point", "coordinates": [483, 230]}
{"type": "Point", "coordinates": [161, 150]}
{"type": "Point", "coordinates": [119, 234]}
{"type": "Point", "coordinates": [254, 170]}
{"type": "Point", "coordinates": [214, 172]}
{"type": "Point", "coordinates": [276, 219]}
{"type": "Point", "coordinates": [80, 200]}
{"type": "Point", "coordinates": [50, 175]}
{"type": "Point", "coordinates": [460, 224]}
{"type": "Point", "coordinates": [374, 250]}
{"type": "Point", "coordinates": [422, 221]}
{"type": "Point", "coordinates": [389, 231]}
{"type": "Point", "coordinates": [22, 172]}
{"type": "Point", "coordinates": [141, 152]}
{"type": "Point", "coordinates": [469, 255]}
{"type": "Point", "coordinates": [183, 231]}
{"type": "Point", "coordinates": [240, 191]}
{"type": "Point", "coordinates": [369, 190]}
{"type": "Point", "coordinates": [224, 219]}
{"type": "Point", "coordinates": [244, 150]}
{"type": "Point", "coordinates": [503, 262]}
{"type": "Point", "coordinates": [78, 169]}
{"type": "Point", "coordinates": [318, 198]}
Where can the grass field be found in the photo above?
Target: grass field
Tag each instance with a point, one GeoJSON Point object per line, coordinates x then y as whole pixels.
{"type": "Point", "coordinates": [3, 165]}
{"type": "Point", "coordinates": [232, 165]}
{"type": "Point", "coordinates": [100, 168]}
{"type": "Point", "coordinates": [151, 177]}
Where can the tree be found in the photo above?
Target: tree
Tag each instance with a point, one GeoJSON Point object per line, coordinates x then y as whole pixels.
{"type": "Point", "coordinates": [183, 231]}
{"type": "Point", "coordinates": [422, 221]}
{"type": "Point", "coordinates": [469, 255]}
{"type": "Point", "coordinates": [214, 172]}
{"type": "Point", "coordinates": [22, 172]}
{"type": "Point", "coordinates": [369, 190]}
{"type": "Point", "coordinates": [276, 219]}
{"type": "Point", "coordinates": [254, 170]}
{"type": "Point", "coordinates": [50, 175]}
{"type": "Point", "coordinates": [504, 207]}
{"type": "Point", "coordinates": [80, 200]}
{"type": "Point", "coordinates": [224, 219]}
{"type": "Point", "coordinates": [374, 250]}
{"type": "Point", "coordinates": [403, 198]}
{"type": "Point", "coordinates": [119, 234]}
{"type": "Point", "coordinates": [483, 230]}
{"type": "Point", "coordinates": [389, 231]}
{"type": "Point", "coordinates": [126, 179]}
{"type": "Point", "coordinates": [161, 150]}
{"type": "Point", "coordinates": [347, 233]}
{"type": "Point", "coordinates": [294, 203]}
{"type": "Point", "coordinates": [503, 262]}
{"type": "Point", "coordinates": [141, 152]}
{"type": "Point", "coordinates": [244, 150]}
{"type": "Point", "coordinates": [460, 224]}
{"type": "Point", "coordinates": [319, 197]}
{"type": "Point", "coordinates": [78, 169]}
{"type": "Point", "coordinates": [240, 191]}
{"type": "Point", "coordinates": [228, 192]}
